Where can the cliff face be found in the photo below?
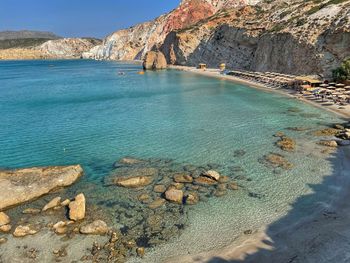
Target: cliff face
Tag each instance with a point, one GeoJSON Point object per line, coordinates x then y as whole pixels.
{"type": "Point", "coordinates": [135, 42]}
{"type": "Point", "coordinates": [67, 47]}
{"type": "Point", "coordinates": [297, 37]}
{"type": "Point", "coordinates": [63, 48]}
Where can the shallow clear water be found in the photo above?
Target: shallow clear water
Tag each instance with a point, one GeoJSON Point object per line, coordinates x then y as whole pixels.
{"type": "Point", "coordinates": [68, 112]}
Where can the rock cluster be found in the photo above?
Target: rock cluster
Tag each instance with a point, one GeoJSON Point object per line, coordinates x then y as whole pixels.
{"type": "Point", "coordinates": [158, 211]}
{"type": "Point", "coordinates": [340, 131]}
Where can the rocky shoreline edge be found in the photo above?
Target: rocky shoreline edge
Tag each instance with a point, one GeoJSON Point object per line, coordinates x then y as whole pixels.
{"type": "Point", "coordinates": [161, 193]}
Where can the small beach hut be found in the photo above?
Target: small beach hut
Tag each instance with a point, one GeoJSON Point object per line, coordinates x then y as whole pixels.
{"type": "Point", "coordinates": [202, 66]}
{"type": "Point", "coordinates": [222, 66]}
{"type": "Point", "coordinates": [309, 81]}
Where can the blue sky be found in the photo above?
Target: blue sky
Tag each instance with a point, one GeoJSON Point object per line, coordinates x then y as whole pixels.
{"type": "Point", "coordinates": [73, 18]}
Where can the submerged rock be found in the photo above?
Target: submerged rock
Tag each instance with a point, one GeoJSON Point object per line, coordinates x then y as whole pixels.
{"type": "Point", "coordinates": [326, 132]}
{"type": "Point", "coordinates": [203, 180]}
{"type": "Point", "coordinates": [192, 198]}
{"type": "Point", "coordinates": [183, 178]}
{"type": "Point", "coordinates": [328, 143]}
{"type": "Point", "coordinates": [277, 160]}
{"type": "Point", "coordinates": [22, 231]}
{"type": "Point", "coordinates": [134, 182]}
{"type": "Point", "coordinates": [31, 211]}
{"type": "Point", "coordinates": [212, 174]}
{"type": "Point", "coordinates": [22, 185]}
{"type": "Point", "coordinates": [77, 208]}
{"type": "Point", "coordinates": [174, 195]}
{"type": "Point", "coordinates": [134, 177]}
{"type": "Point", "coordinates": [160, 188]}
{"type": "Point", "coordinates": [286, 144]}
{"type": "Point", "coordinates": [129, 160]}
{"type": "Point", "coordinates": [97, 227]}
{"type": "Point", "coordinates": [159, 202]}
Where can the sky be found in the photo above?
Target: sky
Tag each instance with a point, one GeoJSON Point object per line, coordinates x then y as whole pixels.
{"type": "Point", "coordinates": [79, 18]}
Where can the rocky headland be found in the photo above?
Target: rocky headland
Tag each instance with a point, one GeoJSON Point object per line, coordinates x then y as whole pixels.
{"type": "Point", "coordinates": [45, 48]}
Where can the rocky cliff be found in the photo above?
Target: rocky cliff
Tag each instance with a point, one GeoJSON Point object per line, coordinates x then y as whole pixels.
{"type": "Point", "coordinates": [133, 43]}
{"type": "Point", "coordinates": [299, 37]}
{"type": "Point", "coordinates": [64, 48]}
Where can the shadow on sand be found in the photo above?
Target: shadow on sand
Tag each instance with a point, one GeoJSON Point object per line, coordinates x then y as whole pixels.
{"type": "Point", "coordinates": [324, 236]}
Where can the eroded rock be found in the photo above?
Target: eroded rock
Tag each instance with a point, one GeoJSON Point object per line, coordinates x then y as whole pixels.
{"type": "Point", "coordinates": [154, 60]}
{"type": "Point", "coordinates": [52, 204]}
{"type": "Point", "coordinates": [183, 178]}
{"type": "Point", "coordinates": [4, 219]}
{"type": "Point", "coordinates": [22, 231]}
{"type": "Point", "coordinates": [22, 185]}
{"type": "Point", "coordinates": [77, 208]}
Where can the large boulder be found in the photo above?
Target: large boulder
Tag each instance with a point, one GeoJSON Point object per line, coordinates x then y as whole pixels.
{"type": "Point", "coordinates": [23, 185]}
{"type": "Point", "coordinates": [154, 60]}
{"type": "Point", "coordinates": [77, 208]}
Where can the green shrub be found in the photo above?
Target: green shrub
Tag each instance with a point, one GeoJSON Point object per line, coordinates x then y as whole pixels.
{"type": "Point", "coordinates": [343, 72]}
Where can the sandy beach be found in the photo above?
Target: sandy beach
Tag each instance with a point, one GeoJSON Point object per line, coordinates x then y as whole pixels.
{"type": "Point", "coordinates": [321, 237]}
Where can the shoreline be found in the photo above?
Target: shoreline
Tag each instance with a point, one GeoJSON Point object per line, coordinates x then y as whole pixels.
{"type": "Point", "coordinates": [283, 244]}
{"type": "Point", "coordinates": [344, 113]}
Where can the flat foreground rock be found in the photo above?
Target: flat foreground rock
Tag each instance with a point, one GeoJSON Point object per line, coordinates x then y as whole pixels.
{"type": "Point", "coordinates": [22, 185]}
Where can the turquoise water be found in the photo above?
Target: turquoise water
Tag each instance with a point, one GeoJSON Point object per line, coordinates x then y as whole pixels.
{"type": "Point", "coordinates": [68, 112]}
{"type": "Point", "coordinates": [64, 112]}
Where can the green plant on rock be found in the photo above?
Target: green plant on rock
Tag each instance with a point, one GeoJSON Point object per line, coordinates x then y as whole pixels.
{"type": "Point", "coordinates": [343, 72]}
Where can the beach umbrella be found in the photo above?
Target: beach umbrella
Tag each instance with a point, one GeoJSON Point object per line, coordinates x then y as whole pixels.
{"type": "Point", "coordinates": [336, 93]}
{"type": "Point", "coordinates": [331, 87]}
{"type": "Point", "coordinates": [347, 92]}
{"type": "Point", "coordinates": [340, 85]}
{"type": "Point", "coordinates": [340, 89]}
{"type": "Point", "coordinates": [332, 84]}
{"type": "Point", "coordinates": [324, 85]}
{"type": "Point", "coordinates": [347, 87]}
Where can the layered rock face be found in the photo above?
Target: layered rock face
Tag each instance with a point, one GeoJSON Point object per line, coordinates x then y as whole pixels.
{"type": "Point", "coordinates": [64, 48]}
{"type": "Point", "coordinates": [135, 42]}
{"type": "Point", "coordinates": [67, 47]}
{"type": "Point", "coordinates": [298, 38]}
